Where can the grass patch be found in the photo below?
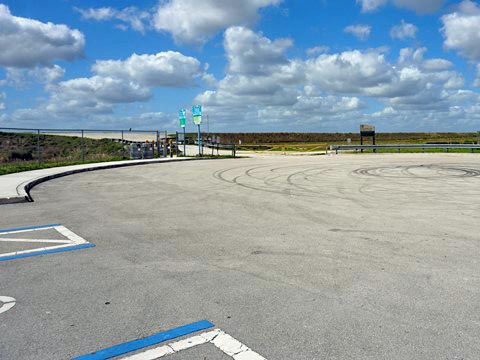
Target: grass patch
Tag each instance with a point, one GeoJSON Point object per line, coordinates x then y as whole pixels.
{"type": "Point", "coordinates": [10, 168]}
{"type": "Point", "coordinates": [320, 147]}
{"type": "Point", "coordinates": [205, 156]}
{"type": "Point", "coordinates": [284, 147]}
{"type": "Point", "coordinates": [30, 147]}
{"type": "Point", "coordinates": [402, 151]}
{"type": "Point", "coordinates": [29, 151]}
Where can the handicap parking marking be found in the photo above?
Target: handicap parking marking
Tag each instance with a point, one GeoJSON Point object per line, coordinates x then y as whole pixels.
{"type": "Point", "coordinates": [226, 343]}
{"type": "Point", "coordinates": [139, 344]}
{"type": "Point", "coordinates": [8, 303]}
{"type": "Point", "coordinates": [70, 241]}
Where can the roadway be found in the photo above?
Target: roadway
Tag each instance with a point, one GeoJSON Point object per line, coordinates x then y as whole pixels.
{"type": "Point", "coordinates": [337, 257]}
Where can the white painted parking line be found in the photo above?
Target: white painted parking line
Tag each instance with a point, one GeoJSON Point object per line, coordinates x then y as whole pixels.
{"type": "Point", "coordinates": [70, 235]}
{"type": "Point", "coordinates": [71, 241]}
{"type": "Point", "coordinates": [18, 231]}
{"type": "Point", "coordinates": [8, 303]}
{"type": "Point", "coordinates": [230, 346]}
{"type": "Point", "coordinates": [234, 348]}
{"type": "Point", "coordinates": [36, 241]}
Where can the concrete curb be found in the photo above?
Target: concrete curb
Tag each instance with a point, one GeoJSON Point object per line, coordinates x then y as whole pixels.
{"type": "Point", "coordinates": [23, 189]}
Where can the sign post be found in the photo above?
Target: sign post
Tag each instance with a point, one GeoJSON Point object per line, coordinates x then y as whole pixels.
{"type": "Point", "coordinates": [182, 115]}
{"type": "Point", "coordinates": [367, 131]}
{"type": "Point", "coordinates": [197, 120]}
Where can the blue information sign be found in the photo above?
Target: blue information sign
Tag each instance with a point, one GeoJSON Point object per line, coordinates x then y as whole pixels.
{"type": "Point", "coordinates": [197, 114]}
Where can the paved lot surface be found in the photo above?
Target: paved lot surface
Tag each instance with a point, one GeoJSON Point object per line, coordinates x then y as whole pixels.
{"type": "Point", "coordinates": [327, 257]}
{"type": "Point", "coordinates": [12, 186]}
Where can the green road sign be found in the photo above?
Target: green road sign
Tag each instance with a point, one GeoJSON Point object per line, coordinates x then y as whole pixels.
{"type": "Point", "coordinates": [182, 116]}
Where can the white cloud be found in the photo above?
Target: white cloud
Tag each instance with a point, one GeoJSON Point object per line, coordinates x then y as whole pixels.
{"type": "Point", "coordinates": [122, 82]}
{"type": "Point", "coordinates": [96, 94]}
{"type": "Point", "coordinates": [385, 112]}
{"type": "Point", "coordinates": [371, 5]}
{"type": "Point", "coordinates": [477, 80]}
{"type": "Point", "coordinates": [459, 112]}
{"type": "Point", "coordinates": [265, 88]}
{"type": "Point", "coordinates": [461, 30]}
{"type": "Point", "coordinates": [170, 69]}
{"type": "Point", "coordinates": [15, 77]}
{"type": "Point", "coordinates": [249, 53]}
{"type": "Point", "coordinates": [327, 104]}
{"type": "Point", "coordinates": [209, 79]}
{"type": "Point", "coordinates": [436, 65]}
{"type": "Point", "coordinates": [349, 72]}
{"type": "Point", "coordinates": [412, 80]}
{"type": "Point", "coordinates": [113, 83]}
{"type": "Point", "coordinates": [3, 96]}
{"type": "Point", "coordinates": [26, 43]}
{"type": "Point", "coordinates": [47, 75]}
{"type": "Point", "coordinates": [317, 50]}
{"type": "Point", "coordinates": [99, 14]}
{"type": "Point", "coordinates": [189, 21]}
{"type": "Point", "coordinates": [419, 6]}
{"type": "Point", "coordinates": [194, 22]}
{"type": "Point", "coordinates": [360, 31]}
{"type": "Point", "coordinates": [131, 16]}
{"type": "Point", "coordinates": [403, 31]}
{"type": "Point", "coordinates": [257, 71]}
{"type": "Point", "coordinates": [20, 78]}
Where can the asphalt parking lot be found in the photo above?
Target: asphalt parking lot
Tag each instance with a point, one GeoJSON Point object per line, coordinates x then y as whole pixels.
{"type": "Point", "coordinates": [323, 257]}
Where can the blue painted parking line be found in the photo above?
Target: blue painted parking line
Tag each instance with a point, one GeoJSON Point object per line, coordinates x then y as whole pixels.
{"type": "Point", "coordinates": [138, 344]}
{"type": "Point", "coordinates": [30, 228]}
{"type": "Point", "coordinates": [44, 252]}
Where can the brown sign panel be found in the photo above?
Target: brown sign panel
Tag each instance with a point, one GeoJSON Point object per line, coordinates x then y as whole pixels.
{"type": "Point", "coordinates": [367, 130]}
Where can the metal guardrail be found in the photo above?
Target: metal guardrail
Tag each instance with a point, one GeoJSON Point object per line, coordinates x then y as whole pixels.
{"type": "Point", "coordinates": [217, 146]}
{"type": "Point", "coordinates": [398, 147]}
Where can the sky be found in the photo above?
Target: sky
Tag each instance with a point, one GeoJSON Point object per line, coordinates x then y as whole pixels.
{"type": "Point", "coordinates": [253, 65]}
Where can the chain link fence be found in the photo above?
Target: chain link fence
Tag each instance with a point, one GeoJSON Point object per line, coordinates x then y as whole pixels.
{"type": "Point", "coordinates": [24, 149]}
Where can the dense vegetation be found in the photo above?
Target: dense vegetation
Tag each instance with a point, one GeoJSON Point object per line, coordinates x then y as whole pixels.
{"type": "Point", "coordinates": [25, 146]}
{"type": "Point", "coordinates": [26, 151]}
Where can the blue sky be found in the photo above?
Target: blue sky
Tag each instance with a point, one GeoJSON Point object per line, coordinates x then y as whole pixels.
{"type": "Point", "coordinates": [254, 65]}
